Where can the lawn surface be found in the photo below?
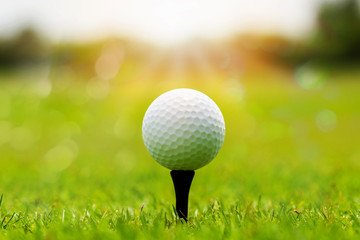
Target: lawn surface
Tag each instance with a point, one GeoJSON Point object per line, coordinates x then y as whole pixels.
{"type": "Point", "coordinates": [73, 164]}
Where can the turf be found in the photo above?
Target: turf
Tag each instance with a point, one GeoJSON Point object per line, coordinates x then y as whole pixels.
{"type": "Point", "coordinates": [73, 165]}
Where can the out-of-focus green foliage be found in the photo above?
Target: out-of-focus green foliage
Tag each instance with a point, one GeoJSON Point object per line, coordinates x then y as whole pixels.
{"type": "Point", "coordinates": [337, 33]}
{"type": "Point", "coordinates": [335, 38]}
{"type": "Point", "coordinates": [26, 48]}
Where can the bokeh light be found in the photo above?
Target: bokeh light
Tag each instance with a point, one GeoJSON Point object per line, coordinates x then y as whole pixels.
{"type": "Point", "coordinates": [22, 138]}
{"type": "Point", "coordinates": [61, 156]}
{"type": "Point", "coordinates": [98, 88]}
{"type": "Point", "coordinates": [326, 120]}
{"type": "Point", "coordinates": [310, 77]}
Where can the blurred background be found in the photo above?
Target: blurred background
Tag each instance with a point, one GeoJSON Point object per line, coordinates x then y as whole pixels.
{"type": "Point", "coordinates": [76, 78]}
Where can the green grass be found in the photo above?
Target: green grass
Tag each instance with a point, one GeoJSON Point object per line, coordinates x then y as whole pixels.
{"type": "Point", "coordinates": [73, 165]}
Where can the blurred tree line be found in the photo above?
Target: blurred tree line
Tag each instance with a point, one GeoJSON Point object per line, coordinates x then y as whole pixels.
{"type": "Point", "coordinates": [26, 48]}
{"type": "Point", "coordinates": [338, 31]}
{"type": "Point", "coordinates": [336, 38]}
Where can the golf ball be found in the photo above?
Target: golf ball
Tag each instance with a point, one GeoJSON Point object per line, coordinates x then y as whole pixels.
{"type": "Point", "coordinates": [183, 129]}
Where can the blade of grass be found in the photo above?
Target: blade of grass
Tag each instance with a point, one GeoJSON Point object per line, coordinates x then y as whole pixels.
{"type": "Point", "coordinates": [1, 199]}
{"type": "Point", "coordinates": [12, 216]}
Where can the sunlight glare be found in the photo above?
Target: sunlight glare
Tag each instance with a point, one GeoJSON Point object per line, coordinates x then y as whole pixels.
{"type": "Point", "coordinates": [173, 22]}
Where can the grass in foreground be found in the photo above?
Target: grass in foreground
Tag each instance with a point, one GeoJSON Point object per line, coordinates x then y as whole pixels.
{"type": "Point", "coordinates": [73, 164]}
{"type": "Point", "coordinates": [215, 221]}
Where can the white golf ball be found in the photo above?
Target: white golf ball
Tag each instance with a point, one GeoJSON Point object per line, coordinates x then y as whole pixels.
{"type": "Point", "coordinates": [183, 129]}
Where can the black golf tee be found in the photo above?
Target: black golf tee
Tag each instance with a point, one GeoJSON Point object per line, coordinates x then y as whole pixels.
{"type": "Point", "coordinates": [182, 182]}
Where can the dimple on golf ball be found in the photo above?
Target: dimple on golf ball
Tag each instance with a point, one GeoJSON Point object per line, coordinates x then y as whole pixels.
{"type": "Point", "coordinates": [183, 129]}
